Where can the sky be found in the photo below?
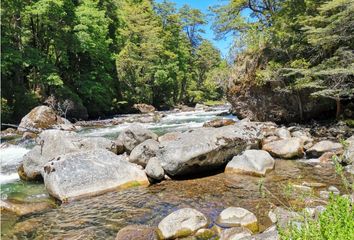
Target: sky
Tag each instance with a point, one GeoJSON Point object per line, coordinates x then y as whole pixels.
{"type": "Point", "coordinates": [203, 5]}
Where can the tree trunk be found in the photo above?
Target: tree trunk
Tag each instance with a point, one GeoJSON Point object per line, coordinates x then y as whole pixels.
{"type": "Point", "coordinates": [338, 108]}
{"type": "Point", "coordinates": [301, 111]}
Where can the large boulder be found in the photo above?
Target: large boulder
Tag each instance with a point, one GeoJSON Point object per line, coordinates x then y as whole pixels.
{"type": "Point", "coordinates": [286, 148]}
{"type": "Point", "coordinates": [43, 117]}
{"type": "Point", "coordinates": [137, 232]}
{"type": "Point", "coordinates": [51, 144]}
{"type": "Point", "coordinates": [182, 223]}
{"type": "Point", "coordinates": [253, 162]}
{"type": "Point", "coordinates": [205, 148]}
{"type": "Point", "coordinates": [265, 103]}
{"type": "Point", "coordinates": [236, 216]}
{"type": "Point", "coordinates": [144, 108]}
{"type": "Point", "coordinates": [88, 173]}
{"type": "Point", "coordinates": [219, 123]}
{"type": "Point", "coordinates": [134, 135]}
{"type": "Point", "coordinates": [324, 146]}
{"type": "Point", "coordinates": [143, 152]}
{"type": "Point", "coordinates": [170, 136]}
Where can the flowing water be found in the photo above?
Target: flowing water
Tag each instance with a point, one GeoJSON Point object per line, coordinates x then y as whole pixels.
{"type": "Point", "coordinates": [101, 217]}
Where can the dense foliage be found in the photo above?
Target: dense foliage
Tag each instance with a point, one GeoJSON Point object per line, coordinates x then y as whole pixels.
{"type": "Point", "coordinates": [303, 45]}
{"type": "Point", "coordinates": [103, 56]}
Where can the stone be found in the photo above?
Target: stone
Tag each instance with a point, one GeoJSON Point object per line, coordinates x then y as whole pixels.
{"type": "Point", "coordinates": [348, 156]}
{"type": "Point", "coordinates": [334, 190]}
{"type": "Point", "coordinates": [182, 223]}
{"type": "Point", "coordinates": [51, 144]}
{"type": "Point", "coordinates": [144, 108]}
{"type": "Point", "coordinates": [235, 233]}
{"type": "Point", "coordinates": [199, 106]}
{"type": "Point", "coordinates": [137, 232]}
{"type": "Point", "coordinates": [142, 153]}
{"type": "Point", "coordinates": [89, 173]}
{"type": "Point", "coordinates": [269, 139]}
{"type": "Point", "coordinates": [324, 194]}
{"type": "Point", "coordinates": [205, 233]}
{"type": "Point", "coordinates": [266, 235]}
{"type": "Point", "coordinates": [326, 157]}
{"type": "Point", "coordinates": [283, 133]}
{"type": "Point", "coordinates": [23, 208]}
{"type": "Point", "coordinates": [253, 162]}
{"type": "Point", "coordinates": [236, 216]}
{"type": "Point", "coordinates": [134, 135]}
{"type": "Point", "coordinates": [324, 146]}
{"type": "Point", "coordinates": [283, 216]}
{"type": "Point", "coordinates": [43, 117]}
{"type": "Point", "coordinates": [171, 136]}
{"type": "Point", "coordinates": [154, 170]}
{"type": "Point", "coordinates": [286, 148]}
{"type": "Point", "coordinates": [219, 123]}
{"type": "Point", "coordinates": [205, 149]}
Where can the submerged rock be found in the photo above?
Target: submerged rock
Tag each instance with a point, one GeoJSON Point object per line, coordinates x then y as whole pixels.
{"type": "Point", "coordinates": [253, 162]}
{"type": "Point", "coordinates": [134, 135]}
{"type": "Point", "coordinates": [219, 123]}
{"type": "Point", "coordinates": [286, 148]}
{"type": "Point", "coordinates": [89, 173]}
{"type": "Point", "coordinates": [324, 146]}
{"type": "Point", "coordinates": [21, 209]}
{"type": "Point", "coordinates": [236, 216]}
{"type": "Point", "coordinates": [205, 148]}
{"type": "Point", "coordinates": [53, 143]}
{"type": "Point", "coordinates": [142, 153]}
{"type": "Point", "coordinates": [182, 223]}
{"type": "Point", "coordinates": [137, 232]}
{"type": "Point", "coordinates": [154, 170]}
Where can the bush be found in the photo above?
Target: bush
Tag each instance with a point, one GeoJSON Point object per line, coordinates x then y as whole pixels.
{"type": "Point", "coordinates": [336, 222]}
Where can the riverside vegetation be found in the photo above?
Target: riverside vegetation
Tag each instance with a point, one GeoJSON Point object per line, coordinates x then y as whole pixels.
{"type": "Point", "coordinates": [185, 172]}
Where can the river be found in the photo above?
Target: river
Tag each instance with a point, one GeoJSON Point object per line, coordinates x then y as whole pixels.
{"type": "Point", "coordinates": [103, 216]}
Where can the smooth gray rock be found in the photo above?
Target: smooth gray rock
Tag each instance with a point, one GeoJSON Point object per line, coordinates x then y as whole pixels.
{"type": "Point", "coordinates": [182, 223]}
{"type": "Point", "coordinates": [348, 156]}
{"type": "Point", "coordinates": [283, 133]}
{"type": "Point", "coordinates": [89, 173]}
{"type": "Point", "coordinates": [206, 148]}
{"type": "Point", "coordinates": [266, 235]}
{"type": "Point", "coordinates": [171, 136]}
{"type": "Point", "coordinates": [53, 143]}
{"type": "Point", "coordinates": [253, 162]}
{"type": "Point", "coordinates": [154, 170]}
{"type": "Point", "coordinates": [324, 146]}
{"type": "Point", "coordinates": [286, 148]}
{"type": "Point", "coordinates": [235, 233]}
{"type": "Point", "coordinates": [283, 217]}
{"type": "Point", "coordinates": [134, 135]}
{"type": "Point", "coordinates": [236, 216]}
{"type": "Point", "coordinates": [142, 153]}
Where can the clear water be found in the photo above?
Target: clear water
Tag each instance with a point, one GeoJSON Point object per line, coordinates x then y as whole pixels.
{"type": "Point", "coordinates": [101, 217]}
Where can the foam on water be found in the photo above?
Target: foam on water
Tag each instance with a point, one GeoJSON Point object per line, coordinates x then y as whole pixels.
{"type": "Point", "coordinates": [10, 157]}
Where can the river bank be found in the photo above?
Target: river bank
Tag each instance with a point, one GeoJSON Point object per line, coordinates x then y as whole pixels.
{"type": "Point", "coordinates": [101, 217]}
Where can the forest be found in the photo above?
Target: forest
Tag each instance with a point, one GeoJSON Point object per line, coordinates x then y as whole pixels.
{"type": "Point", "coordinates": [99, 57]}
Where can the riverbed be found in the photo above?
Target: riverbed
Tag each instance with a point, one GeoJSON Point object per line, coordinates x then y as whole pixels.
{"type": "Point", "coordinates": [103, 216]}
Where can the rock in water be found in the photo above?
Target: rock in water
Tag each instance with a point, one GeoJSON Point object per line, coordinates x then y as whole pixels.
{"type": "Point", "coordinates": [182, 223]}
{"type": "Point", "coordinates": [253, 162]}
{"type": "Point", "coordinates": [219, 123]}
{"type": "Point", "coordinates": [43, 117]}
{"type": "Point", "coordinates": [236, 216]}
{"type": "Point", "coordinates": [205, 148]}
{"type": "Point", "coordinates": [142, 153]}
{"type": "Point", "coordinates": [144, 108]}
{"type": "Point", "coordinates": [154, 170]}
{"type": "Point", "coordinates": [286, 148]}
{"type": "Point", "coordinates": [324, 146]}
{"type": "Point", "coordinates": [137, 232]}
{"type": "Point", "coordinates": [52, 144]}
{"type": "Point", "coordinates": [134, 135]}
{"type": "Point", "coordinates": [235, 233]}
{"type": "Point", "coordinates": [90, 173]}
